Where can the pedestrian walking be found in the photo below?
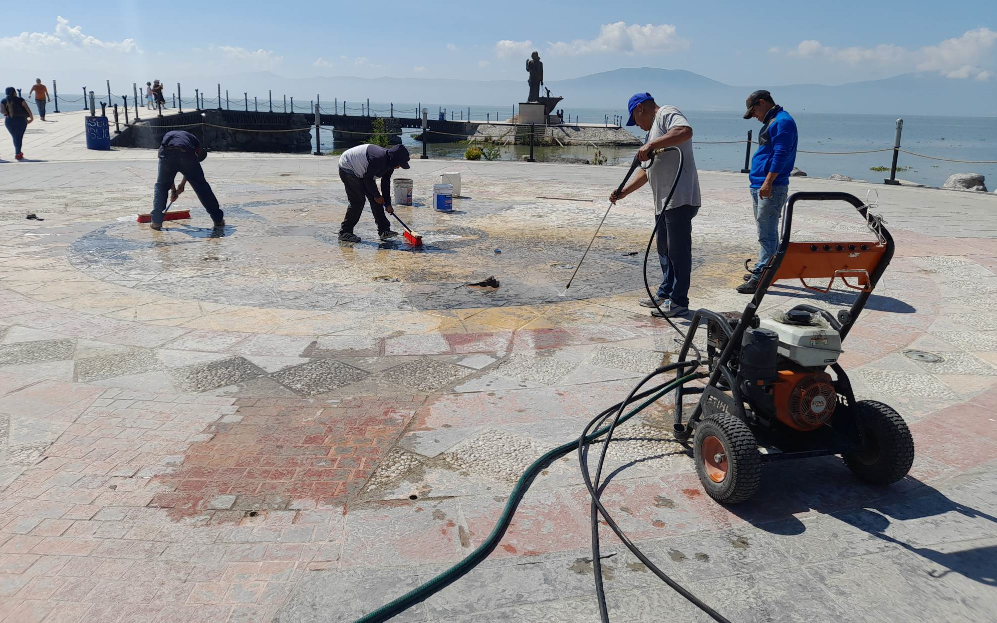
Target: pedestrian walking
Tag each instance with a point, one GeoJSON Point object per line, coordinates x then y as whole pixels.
{"type": "Point", "coordinates": [667, 126]}
{"type": "Point", "coordinates": [16, 117]}
{"type": "Point", "coordinates": [181, 152]}
{"type": "Point", "coordinates": [148, 96]}
{"type": "Point", "coordinates": [769, 177]}
{"type": "Point", "coordinates": [157, 94]}
{"type": "Point", "coordinates": [358, 167]}
{"type": "Point", "coordinates": [40, 91]}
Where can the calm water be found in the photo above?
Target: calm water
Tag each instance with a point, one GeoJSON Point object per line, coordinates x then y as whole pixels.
{"type": "Point", "coordinates": [959, 138]}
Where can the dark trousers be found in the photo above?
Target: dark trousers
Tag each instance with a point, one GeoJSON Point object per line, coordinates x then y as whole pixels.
{"type": "Point", "coordinates": [16, 126]}
{"type": "Point", "coordinates": [675, 253]}
{"type": "Point", "coordinates": [172, 163]}
{"type": "Point", "coordinates": [40, 104]}
{"type": "Point", "coordinates": [356, 195]}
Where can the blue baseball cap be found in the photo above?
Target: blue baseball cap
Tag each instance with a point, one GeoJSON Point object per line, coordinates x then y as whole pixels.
{"type": "Point", "coordinates": [636, 100]}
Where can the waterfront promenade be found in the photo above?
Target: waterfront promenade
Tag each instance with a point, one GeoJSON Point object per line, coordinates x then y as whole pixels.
{"type": "Point", "coordinates": [270, 426]}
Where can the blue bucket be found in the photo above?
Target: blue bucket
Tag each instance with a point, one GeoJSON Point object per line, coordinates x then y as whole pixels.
{"type": "Point", "coordinates": [443, 197]}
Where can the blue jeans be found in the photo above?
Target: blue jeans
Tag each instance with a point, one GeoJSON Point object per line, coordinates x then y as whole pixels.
{"type": "Point", "coordinates": [40, 104]}
{"type": "Point", "coordinates": [172, 163]}
{"type": "Point", "coordinates": [675, 253]}
{"type": "Point", "coordinates": [767, 214]}
{"type": "Point", "coordinates": [16, 126]}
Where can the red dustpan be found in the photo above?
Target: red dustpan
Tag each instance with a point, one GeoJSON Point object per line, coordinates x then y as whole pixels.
{"type": "Point", "coordinates": [167, 215]}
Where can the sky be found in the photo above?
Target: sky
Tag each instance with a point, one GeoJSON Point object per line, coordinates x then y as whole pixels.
{"type": "Point", "coordinates": [733, 42]}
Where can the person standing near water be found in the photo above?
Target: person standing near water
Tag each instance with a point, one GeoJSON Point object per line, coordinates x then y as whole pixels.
{"type": "Point", "coordinates": [148, 96]}
{"type": "Point", "coordinates": [769, 176]}
{"type": "Point", "coordinates": [16, 117]}
{"type": "Point", "coordinates": [40, 92]}
{"type": "Point", "coordinates": [666, 126]}
{"type": "Point", "coordinates": [358, 166]}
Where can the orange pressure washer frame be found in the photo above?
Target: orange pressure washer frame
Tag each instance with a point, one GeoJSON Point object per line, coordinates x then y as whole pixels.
{"type": "Point", "coordinates": [865, 262]}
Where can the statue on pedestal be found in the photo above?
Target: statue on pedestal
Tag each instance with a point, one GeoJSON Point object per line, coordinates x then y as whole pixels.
{"type": "Point", "coordinates": [536, 70]}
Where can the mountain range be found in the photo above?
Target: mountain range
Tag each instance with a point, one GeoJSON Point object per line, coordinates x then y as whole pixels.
{"type": "Point", "coordinates": [906, 94]}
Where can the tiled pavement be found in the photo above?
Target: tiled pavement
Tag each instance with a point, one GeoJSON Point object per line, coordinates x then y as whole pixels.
{"type": "Point", "coordinates": [267, 425]}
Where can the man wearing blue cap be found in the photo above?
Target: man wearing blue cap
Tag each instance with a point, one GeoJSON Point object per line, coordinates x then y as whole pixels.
{"type": "Point", "coordinates": [667, 126]}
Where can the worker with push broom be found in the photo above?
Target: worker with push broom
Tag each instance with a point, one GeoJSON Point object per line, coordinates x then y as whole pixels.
{"type": "Point", "coordinates": [358, 167]}
{"type": "Point", "coordinates": [181, 152]}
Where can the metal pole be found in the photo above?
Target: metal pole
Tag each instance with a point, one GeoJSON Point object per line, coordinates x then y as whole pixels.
{"type": "Point", "coordinates": [344, 108]}
{"type": "Point", "coordinates": [226, 100]}
{"type": "Point", "coordinates": [179, 98]}
{"type": "Point", "coordinates": [55, 94]}
{"type": "Point", "coordinates": [368, 106]}
{"type": "Point", "coordinates": [392, 109]}
{"type": "Point", "coordinates": [220, 96]}
{"type": "Point", "coordinates": [292, 103]}
{"type": "Point", "coordinates": [335, 105]}
{"type": "Point", "coordinates": [93, 106]}
{"type": "Point", "coordinates": [270, 95]}
{"type": "Point", "coordinates": [256, 104]}
{"type": "Point", "coordinates": [246, 97]}
{"type": "Point", "coordinates": [318, 104]}
{"type": "Point", "coordinates": [125, 106]}
{"type": "Point", "coordinates": [197, 100]}
{"type": "Point", "coordinates": [117, 128]}
{"type": "Point", "coordinates": [134, 99]}
{"type": "Point", "coordinates": [488, 117]}
{"type": "Point", "coordinates": [318, 130]}
{"type": "Point", "coordinates": [532, 129]}
{"type": "Point", "coordinates": [896, 153]}
{"type": "Point", "coordinates": [84, 98]}
{"type": "Point", "coordinates": [469, 114]}
{"type": "Point", "coordinates": [425, 131]}
{"type": "Point", "coordinates": [285, 102]}
{"type": "Point", "coordinates": [109, 91]}
{"type": "Point", "coordinates": [747, 155]}
{"type": "Point", "coordinates": [174, 96]}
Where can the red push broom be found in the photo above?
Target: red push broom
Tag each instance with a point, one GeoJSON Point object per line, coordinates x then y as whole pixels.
{"type": "Point", "coordinates": [413, 238]}
{"type": "Point", "coordinates": [167, 215]}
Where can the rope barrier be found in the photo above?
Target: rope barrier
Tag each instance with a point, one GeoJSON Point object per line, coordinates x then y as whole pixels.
{"type": "Point", "coordinates": [949, 159]}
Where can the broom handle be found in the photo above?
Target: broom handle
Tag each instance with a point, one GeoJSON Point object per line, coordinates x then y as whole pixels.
{"type": "Point", "coordinates": [401, 221]}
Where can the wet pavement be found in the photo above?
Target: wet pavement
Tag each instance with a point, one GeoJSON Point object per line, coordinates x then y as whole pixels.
{"type": "Point", "coordinates": [266, 424]}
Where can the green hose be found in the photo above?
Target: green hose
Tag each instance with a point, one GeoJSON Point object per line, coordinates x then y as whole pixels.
{"type": "Point", "coordinates": [472, 560]}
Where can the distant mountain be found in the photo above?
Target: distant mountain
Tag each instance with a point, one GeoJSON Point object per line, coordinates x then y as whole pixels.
{"type": "Point", "coordinates": [907, 94]}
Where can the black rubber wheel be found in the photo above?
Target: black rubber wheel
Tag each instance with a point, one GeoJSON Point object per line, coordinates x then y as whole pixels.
{"type": "Point", "coordinates": [889, 450]}
{"type": "Point", "coordinates": [727, 459]}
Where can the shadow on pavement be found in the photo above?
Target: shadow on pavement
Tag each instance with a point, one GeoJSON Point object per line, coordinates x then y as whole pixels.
{"type": "Point", "coordinates": [876, 302]}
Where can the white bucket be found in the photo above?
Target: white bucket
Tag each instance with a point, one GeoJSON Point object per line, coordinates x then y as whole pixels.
{"type": "Point", "coordinates": [443, 197]}
{"type": "Point", "coordinates": [454, 180]}
{"type": "Point", "coordinates": [402, 191]}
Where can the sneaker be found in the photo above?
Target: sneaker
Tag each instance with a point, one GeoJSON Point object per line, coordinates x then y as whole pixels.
{"type": "Point", "coordinates": [387, 235]}
{"type": "Point", "coordinates": [660, 300]}
{"type": "Point", "coordinates": [155, 226]}
{"type": "Point", "coordinates": [348, 236]}
{"type": "Point", "coordinates": [671, 311]}
{"type": "Point", "coordinates": [18, 156]}
{"type": "Point", "coordinates": [749, 286]}
{"type": "Point", "coordinates": [220, 224]}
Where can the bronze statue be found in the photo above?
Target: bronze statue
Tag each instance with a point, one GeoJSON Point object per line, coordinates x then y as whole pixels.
{"type": "Point", "coordinates": [536, 69]}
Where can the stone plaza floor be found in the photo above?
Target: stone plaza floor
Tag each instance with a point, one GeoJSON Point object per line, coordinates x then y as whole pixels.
{"type": "Point", "coordinates": [266, 425]}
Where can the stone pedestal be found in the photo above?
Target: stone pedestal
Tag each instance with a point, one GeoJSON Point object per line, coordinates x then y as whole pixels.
{"type": "Point", "coordinates": [532, 112]}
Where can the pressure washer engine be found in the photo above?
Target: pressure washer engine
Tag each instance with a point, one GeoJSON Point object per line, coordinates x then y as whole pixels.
{"type": "Point", "coordinates": [775, 388]}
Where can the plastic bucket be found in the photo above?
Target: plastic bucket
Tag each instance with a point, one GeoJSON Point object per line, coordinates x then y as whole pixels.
{"type": "Point", "coordinates": [454, 180]}
{"type": "Point", "coordinates": [402, 191]}
{"type": "Point", "coordinates": [443, 197]}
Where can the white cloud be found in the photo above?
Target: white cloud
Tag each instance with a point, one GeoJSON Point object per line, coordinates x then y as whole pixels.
{"type": "Point", "coordinates": [365, 63]}
{"type": "Point", "coordinates": [483, 63]}
{"type": "Point", "coordinates": [66, 37]}
{"type": "Point", "coordinates": [774, 50]}
{"type": "Point", "coordinates": [984, 75]}
{"type": "Point", "coordinates": [419, 69]}
{"type": "Point", "coordinates": [623, 37]}
{"type": "Point", "coordinates": [510, 49]}
{"type": "Point", "coordinates": [321, 62]}
{"type": "Point", "coordinates": [961, 57]}
{"type": "Point", "coordinates": [259, 60]}
{"type": "Point", "coordinates": [451, 47]}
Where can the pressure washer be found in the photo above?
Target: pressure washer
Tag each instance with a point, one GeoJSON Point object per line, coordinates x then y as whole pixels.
{"type": "Point", "coordinates": [774, 390]}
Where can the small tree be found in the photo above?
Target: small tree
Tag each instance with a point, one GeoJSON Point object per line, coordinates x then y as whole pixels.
{"type": "Point", "coordinates": [472, 153]}
{"type": "Point", "coordinates": [490, 152]}
{"type": "Point", "coordinates": [379, 136]}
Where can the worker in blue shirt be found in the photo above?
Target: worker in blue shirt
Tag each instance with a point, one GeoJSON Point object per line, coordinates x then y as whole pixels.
{"type": "Point", "coordinates": [769, 176]}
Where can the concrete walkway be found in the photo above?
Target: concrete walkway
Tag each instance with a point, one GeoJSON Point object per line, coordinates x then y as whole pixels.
{"type": "Point", "coordinates": [268, 425]}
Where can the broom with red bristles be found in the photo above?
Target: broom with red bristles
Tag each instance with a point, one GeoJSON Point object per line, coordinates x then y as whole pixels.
{"type": "Point", "coordinates": [413, 238]}
{"type": "Point", "coordinates": [167, 215]}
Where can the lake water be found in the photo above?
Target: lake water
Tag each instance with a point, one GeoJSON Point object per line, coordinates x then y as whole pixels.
{"type": "Point", "coordinates": [956, 138]}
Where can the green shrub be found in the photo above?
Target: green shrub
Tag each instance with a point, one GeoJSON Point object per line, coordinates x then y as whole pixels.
{"type": "Point", "coordinates": [380, 134]}
{"type": "Point", "coordinates": [598, 158]}
{"type": "Point", "coordinates": [491, 152]}
{"type": "Point", "coordinates": [472, 153]}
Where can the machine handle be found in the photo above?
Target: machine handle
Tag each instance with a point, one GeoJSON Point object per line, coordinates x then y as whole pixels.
{"type": "Point", "coordinates": [844, 273]}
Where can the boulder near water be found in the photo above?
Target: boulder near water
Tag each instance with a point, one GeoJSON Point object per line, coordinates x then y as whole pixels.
{"type": "Point", "coordinates": [966, 181]}
{"type": "Point", "coordinates": [837, 177]}
{"type": "Point", "coordinates": [798, 173]}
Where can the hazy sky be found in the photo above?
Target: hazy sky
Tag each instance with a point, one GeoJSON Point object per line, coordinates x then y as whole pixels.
{"type": "Point", "coordinates": [734, 42]}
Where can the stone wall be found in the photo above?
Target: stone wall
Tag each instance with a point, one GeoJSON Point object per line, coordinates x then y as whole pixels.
{"type": "Point", "coordinates": [226, 130]}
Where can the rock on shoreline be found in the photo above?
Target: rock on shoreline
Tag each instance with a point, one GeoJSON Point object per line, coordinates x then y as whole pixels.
{"type": "Point", "coordinates": [966, 181]}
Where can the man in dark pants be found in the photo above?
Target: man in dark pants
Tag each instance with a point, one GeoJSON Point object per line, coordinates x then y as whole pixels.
{"type": "Point", "coordinates": [181, 152]}
{"type": "Point", "coordinates": [667, 126]}
{"type": "Point", "coordinates": [358, 166]}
